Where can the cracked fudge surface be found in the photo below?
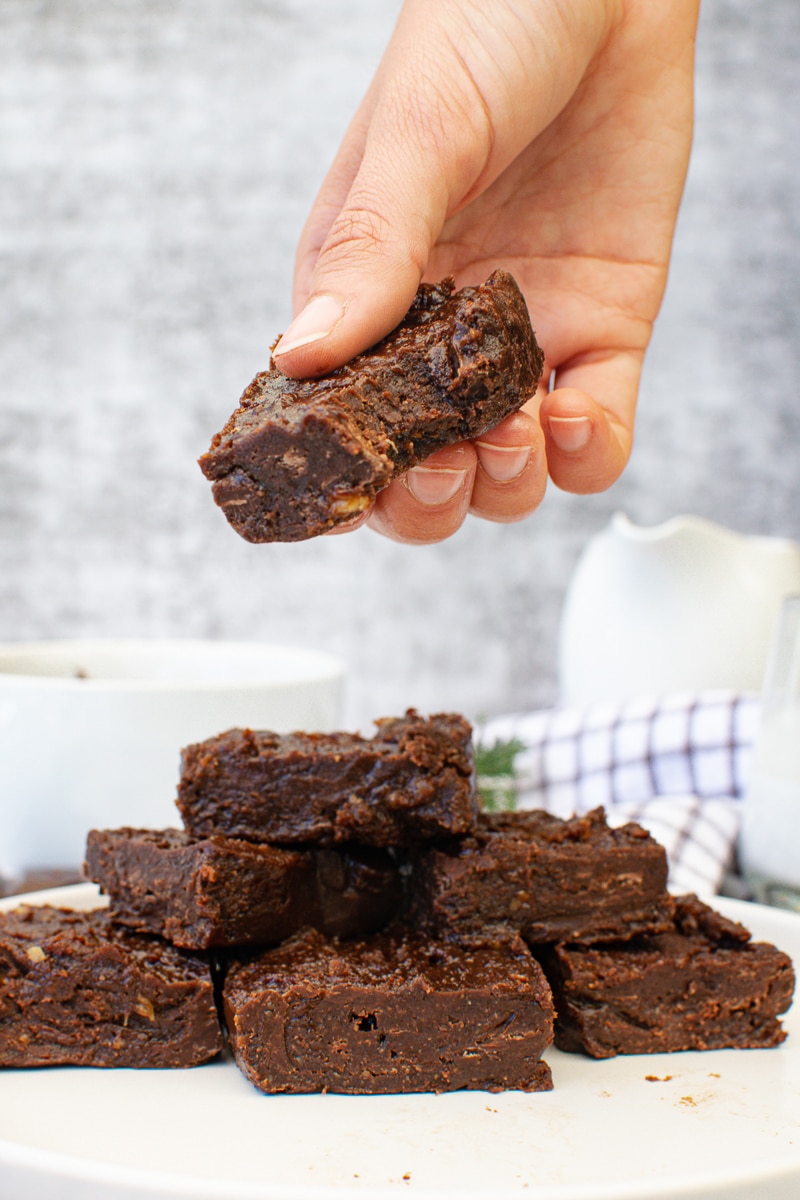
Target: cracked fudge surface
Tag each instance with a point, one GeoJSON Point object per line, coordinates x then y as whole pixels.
{"type": "Point", "coordinates": [702, 986]}
{"type": "Point", "coordinates": [218, 891]}
{"type": "Point", "coordinates": [391, 1013]}
{"type": "Point", "coordinates": [298, 457]}
{"type": "Point", "coordinates": [77, 990]}
{"type": "Point", "coordinates": [414, 780]}
{"type": "Point", "coordinates": [548, 878]}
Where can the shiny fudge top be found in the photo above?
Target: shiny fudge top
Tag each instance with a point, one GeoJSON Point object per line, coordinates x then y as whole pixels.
{"type": "Point", "coordinates": [413, 781]}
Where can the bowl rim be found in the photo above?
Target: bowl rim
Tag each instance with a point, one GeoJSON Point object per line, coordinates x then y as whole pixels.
{"type": "Point", "coordinates": [301, 666]}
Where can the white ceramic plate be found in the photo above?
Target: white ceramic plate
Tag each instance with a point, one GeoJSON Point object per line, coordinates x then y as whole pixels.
{"type": "Point", "coordinates": [722, 1125]}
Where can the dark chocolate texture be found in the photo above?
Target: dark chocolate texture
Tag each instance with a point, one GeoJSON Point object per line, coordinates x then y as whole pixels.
{"type": "Point", "coordinates": [219, 891]}
{"type": "Point", "coordinates": [77, 990]}
{"type": "Point", "coordinates": [392, 1013]}
{"type": "Point", "coordinates": [414, 780]}
{"type": "Point", "coordinates": [550, 879]}
{"type": "Point", "coordinates": [702, 986]}
{"type": "Point", "coordinates": [299, 457]}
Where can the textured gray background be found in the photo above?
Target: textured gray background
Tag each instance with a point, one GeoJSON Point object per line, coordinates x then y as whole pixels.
{"type": "Point", "coordinates": [157, 162]}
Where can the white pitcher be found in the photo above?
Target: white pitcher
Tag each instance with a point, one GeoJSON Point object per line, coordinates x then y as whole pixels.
{"type": "Point", "coordinates": [685, 605]}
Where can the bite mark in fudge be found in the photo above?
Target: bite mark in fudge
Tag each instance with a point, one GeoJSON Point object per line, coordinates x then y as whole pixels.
{"type": "Point", "coordinates": [548, 878]}
{"type": "Point", "coordinates": [298, 457]}
{"type": "Point", "coordinates": [218, 891]}
{"type": "Point", "coordinates": [414, 780]}
{"type": "Point", "coordinates": [391, 1013]}
{"type": "Point", "coordinates": [77, 990]}
{"type": "Point", "coordinates": [702, 986]}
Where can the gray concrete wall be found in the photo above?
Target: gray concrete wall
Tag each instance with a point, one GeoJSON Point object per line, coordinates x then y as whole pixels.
{"type": "Point", "coordinates": [156, 164]}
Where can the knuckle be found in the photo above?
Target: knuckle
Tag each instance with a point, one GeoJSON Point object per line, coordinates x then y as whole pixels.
{"type": "Point", "coordinates": [358, 226]}
{"type": "Point", "coordinates": [359, 231]}
{"type": "Point", "coordinates": [366, 230]}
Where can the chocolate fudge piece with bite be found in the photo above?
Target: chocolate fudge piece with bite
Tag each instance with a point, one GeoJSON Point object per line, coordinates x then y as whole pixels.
{"type": "Point", "coordinates": [218, 891]}
{"type": "Point", "coordinates": [548, 878]}
{"type": "Point", "coordinates": [704, 985]}
{"type": "Point", "coordinates": [391, 1013]}
{"type": "Point", "coordinates": [77, 990]}
{"type": "Point", "coordinates": [414, 780]}
{"type": "Point", "coordinates": [299, 457]}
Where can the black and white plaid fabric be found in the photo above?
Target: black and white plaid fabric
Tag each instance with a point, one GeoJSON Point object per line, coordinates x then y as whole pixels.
{"type": "Point", "coordinates": [677, 764]}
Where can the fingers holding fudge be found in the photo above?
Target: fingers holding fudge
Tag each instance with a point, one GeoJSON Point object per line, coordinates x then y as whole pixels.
{"type": "Point", "coordinates": [530, 137]}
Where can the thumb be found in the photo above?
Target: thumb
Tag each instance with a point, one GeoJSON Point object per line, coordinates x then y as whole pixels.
{"type": "Point", "coordinates": [410, 157]}
{"type": "Point", "coordinates": [367, 269]}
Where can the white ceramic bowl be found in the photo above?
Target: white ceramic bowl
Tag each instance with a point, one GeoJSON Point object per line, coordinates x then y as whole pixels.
{"type": "Point", "coordinates": [91, 731]}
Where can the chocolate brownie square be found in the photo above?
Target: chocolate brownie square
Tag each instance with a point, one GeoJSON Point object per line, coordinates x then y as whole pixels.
{"type": "Point", "coordinates": [300, 456]}
{"type": "Point", "coordinates": [414, 780]}
{"type": "Point", "coordinates": [392, 1013]}
{"type": "Point", "coordinates": [704, 985]}
{"type": "Point", "coordinates": [75, 989]}
{"type": "Point", "coordinates": [548, 878]}
{"type": "Point", "coordinates": [217, 891]}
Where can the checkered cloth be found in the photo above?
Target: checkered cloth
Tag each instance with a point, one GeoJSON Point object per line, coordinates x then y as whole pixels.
{"type": "Point", "coordinates": [677, 764]}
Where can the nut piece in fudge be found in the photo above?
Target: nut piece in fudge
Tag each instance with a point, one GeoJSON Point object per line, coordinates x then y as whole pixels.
{"type": "Point", "coordinates": [391, 1013]}
{"type": "Point", "coordinates": [217, 891]}
{"type": "Point", "coordinates": [299, 457]}
{"type": "Point", "coordinates": [76, 990]}
{"type": "Point", "coordinates": [704, 985]}
{"type": "Point", "coordinates": [548, 878]}
{"type": "Point", "coordinates": [414, 780]}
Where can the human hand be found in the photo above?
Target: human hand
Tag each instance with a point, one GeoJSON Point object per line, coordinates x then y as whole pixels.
{"type": "Point", "coordinates": [551, 140]}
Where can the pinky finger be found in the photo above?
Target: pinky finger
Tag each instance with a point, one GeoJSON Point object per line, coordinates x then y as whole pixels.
{"type": "Point", "coordinates": [588, 421]}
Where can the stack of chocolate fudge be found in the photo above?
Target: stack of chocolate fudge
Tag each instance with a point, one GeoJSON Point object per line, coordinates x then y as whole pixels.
{"type": "Point", "coordinates": [361, 926]}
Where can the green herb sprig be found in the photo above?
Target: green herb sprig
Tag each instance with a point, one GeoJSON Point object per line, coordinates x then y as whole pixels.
{"type": "Point", "coordinates": [495, 771]}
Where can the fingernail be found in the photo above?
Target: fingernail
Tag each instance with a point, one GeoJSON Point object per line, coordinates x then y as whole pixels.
{"type": "Point", "coordinates": [503, 463]}
{"type": "Point", "coordinates": [570, 433]}
{"type": "Point", "coordinates": [313, 324]}
{"type": "Point", "coordinates": [434, 485]}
